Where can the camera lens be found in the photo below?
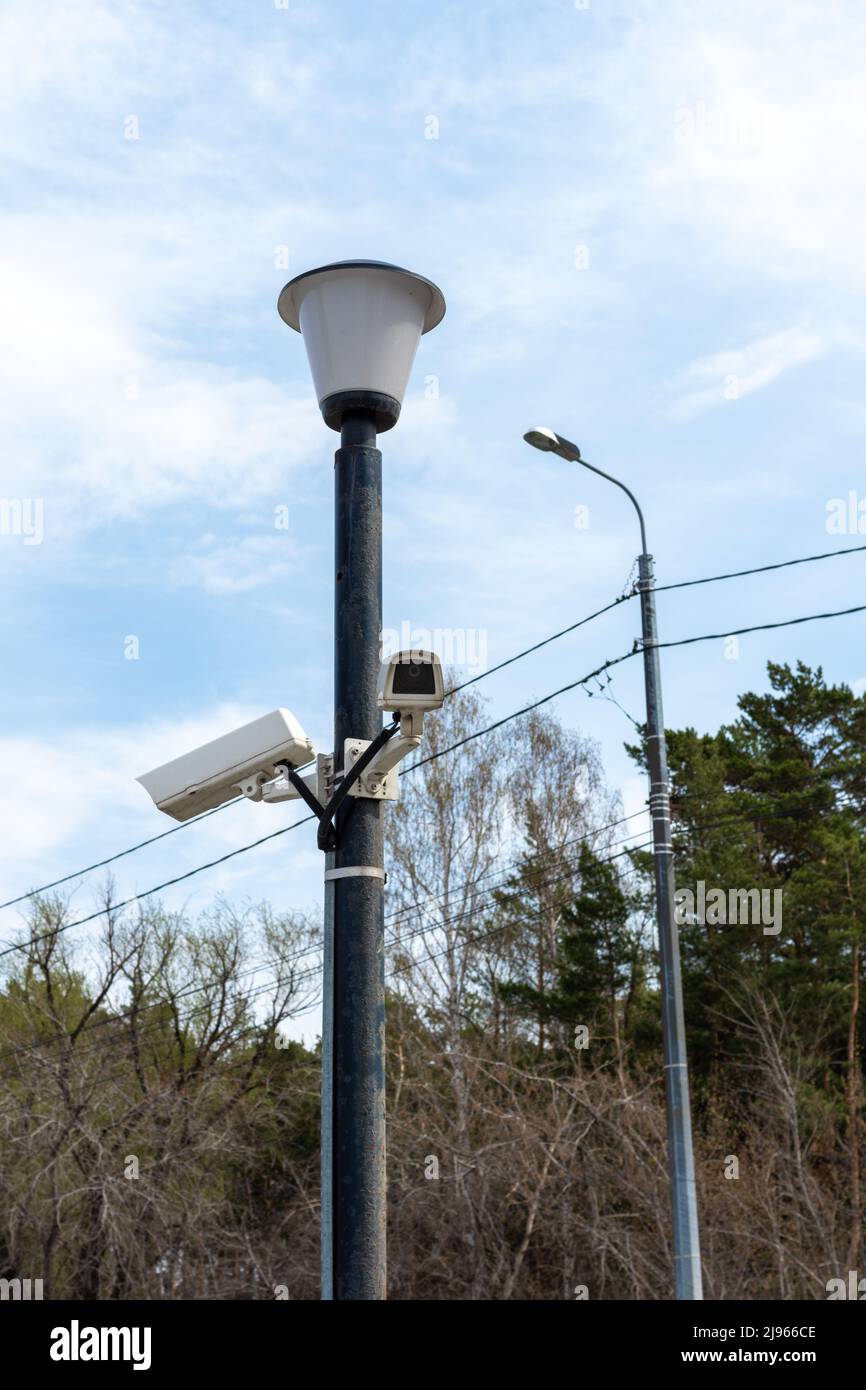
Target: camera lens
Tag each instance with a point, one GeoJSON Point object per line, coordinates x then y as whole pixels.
{"type": "Point", "coordinates": [414, 678]}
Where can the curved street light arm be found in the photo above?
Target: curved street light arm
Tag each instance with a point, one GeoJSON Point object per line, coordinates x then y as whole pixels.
{"type": "Point", "coordinates": [628, 492]}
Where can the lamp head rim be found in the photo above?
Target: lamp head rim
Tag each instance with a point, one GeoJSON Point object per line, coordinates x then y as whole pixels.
{"type": "Point", "coordinates": [289, 309]}
{"type": "Point", "coordinates": [543, 438]}
{"type": "Point", "coordinates": [549, 442]}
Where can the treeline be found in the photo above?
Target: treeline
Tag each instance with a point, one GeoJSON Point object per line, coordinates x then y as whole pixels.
{"type": "Point", "coordinates": [159, 1137]}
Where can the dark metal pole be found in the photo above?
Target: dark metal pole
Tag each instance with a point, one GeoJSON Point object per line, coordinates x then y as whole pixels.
{"type": "Point", "coordinates": [358, 1115]}
{"type": "Point", "coordinates": [326, 1211]}
{"type": "Point", "coordinates": [687, 1253]}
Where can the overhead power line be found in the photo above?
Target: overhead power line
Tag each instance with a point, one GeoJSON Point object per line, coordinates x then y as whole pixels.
{"type": "Point", "coordinates": [518, 656]}
{"type": "Point", "coordinates": [441, 753]}
{"type": "Point", "coordinates": [295, 978]}
{"type": "Point", "coordinates": [431, 757]}
{"type": "Point", "coordinates": [765, 627]}
{"type": "Point", "coordinates": [554, 637]}
{"type": "Point", "coordinates": [148, 892]}
{"type": "Point", "coordinates": [101, 863]}
{"type": "Point", "coordinates": [679, 642]}
{"type": "Point", "coordinates": [194, 820]}
{"type": "Point", "coordinates": [762, 569]}
{"type": "Point", "coordinates": [537, 878]}
{"type": "Point", "coordinates": [243, 849]}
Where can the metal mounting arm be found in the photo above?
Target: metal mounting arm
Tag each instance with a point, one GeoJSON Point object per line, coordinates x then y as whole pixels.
{"type": "Point", "coordinates": [393, 753]}
{"type": "Point", "coordinates": [290, 789]}
{"type": "Point", "coordinates": [374, 780]}
{"type": "Point", "coordinates": [326, 819]}
{"type": "Point", "coordinates": [314, 788]}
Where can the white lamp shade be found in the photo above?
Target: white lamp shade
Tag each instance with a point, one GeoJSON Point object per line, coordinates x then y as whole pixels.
{"type": "Point", "coordinates": [361, 323]}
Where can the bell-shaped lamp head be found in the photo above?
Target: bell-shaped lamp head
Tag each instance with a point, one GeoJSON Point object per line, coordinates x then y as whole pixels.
{"type": "Point", "coordinates": [361, 322]}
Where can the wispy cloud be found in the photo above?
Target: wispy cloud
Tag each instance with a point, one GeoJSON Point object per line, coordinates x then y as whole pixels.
{"type": "Point", "coordinates": [607, 188]}
{"type": "Point", "coordinates": [734, 373]}
{"type": "Point", "coordinates": [234, 567]}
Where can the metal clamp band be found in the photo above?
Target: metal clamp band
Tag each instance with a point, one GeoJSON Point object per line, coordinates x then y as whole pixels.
{"type": "Point", "coordinates": [357, 871]}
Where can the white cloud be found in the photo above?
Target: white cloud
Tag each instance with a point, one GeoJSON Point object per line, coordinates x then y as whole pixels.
{"type": "Point", "coordinates": [129, 266]}
{"type": "Point", "coordinates": [738, 126]}
{"type": "Point", "coordinates": [137, 333]}
{"type": "Point", "coordinates": [747, 123]}
{"type": "Point", "coordinates": [110, 421]}
{"type": "Point", "coordinates": [47, 47]}
{"type": "Point", "coordinates": [734, 373]}
{"type": "Point", "coordinates": [69, 800]}
{"type": "Point", "coordinates": [55, 790]}
{"type": "Point", "coordinates": [234, 567]}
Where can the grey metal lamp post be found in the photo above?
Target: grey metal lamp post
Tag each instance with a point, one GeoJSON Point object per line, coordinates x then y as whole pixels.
{"type": "Point", "coordinates": [687, 1254]}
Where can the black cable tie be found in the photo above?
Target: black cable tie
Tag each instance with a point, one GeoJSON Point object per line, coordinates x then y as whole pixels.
{"type": "Point", "coordinates": [291, 775]}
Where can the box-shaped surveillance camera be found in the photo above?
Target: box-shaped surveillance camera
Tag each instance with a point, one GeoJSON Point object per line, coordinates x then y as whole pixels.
{"type": "Point", "coordinates": [209, 776]}
{"type": "Point", "coordinates": [411, 680]}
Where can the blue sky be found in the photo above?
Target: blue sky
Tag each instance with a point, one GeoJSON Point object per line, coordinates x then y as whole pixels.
{"type": "Point", "coordinates": [647, 224]}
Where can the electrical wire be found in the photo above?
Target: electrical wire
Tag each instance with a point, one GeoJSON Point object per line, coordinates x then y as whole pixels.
{"type": "Point", "coordinates": [554, 637]}
{"type": "Point", "coordinates": [101, 863]}
{"type": "Point", "coordinates": [169, 883]}
{"type": "Point", "coordinates": [518, 656]}
{"type": "Point", "coordinates": [190, 990]}
{"type": "Point", "coordinates": [764, 627]}
{"type": "Point", "coordinates": [441, 753]}
{"type": "Point", "coordinates": [754, 819]}
{"type": "Point", "coordinates": [761, 569]}
{"type": "Point", "coordinates": [517, 863]}
{"type": "Point", "coordinates": [296, 977]}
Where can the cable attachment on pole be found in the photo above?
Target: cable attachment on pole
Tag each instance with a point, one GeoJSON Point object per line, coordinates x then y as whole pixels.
{"type": "Point", "coordinates": [630, 588]}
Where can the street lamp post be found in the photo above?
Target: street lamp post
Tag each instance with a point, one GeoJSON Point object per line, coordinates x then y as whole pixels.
{"type": "Point", "coordinates": [687, 1255]}
{"type": "Point", "coordinates": [361, 322]}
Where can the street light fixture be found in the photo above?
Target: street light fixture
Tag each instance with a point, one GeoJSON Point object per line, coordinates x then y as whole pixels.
{"type": "Point", "coordinates": [687, 1256]}
{"type": "Point", "coordinates": [545, 439]}
{"type": "Point", "coordinates": [361, 322]}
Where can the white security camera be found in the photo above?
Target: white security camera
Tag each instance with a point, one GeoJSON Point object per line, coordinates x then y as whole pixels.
{"type": "Point", "coordinates": [240, 761]}
{"type": "Point", "coordinates": [411, 681]}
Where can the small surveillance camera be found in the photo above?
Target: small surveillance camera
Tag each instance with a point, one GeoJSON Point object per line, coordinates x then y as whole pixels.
{"type": "Point", "coordinates": [215, 773]}
{"type": "Point", "coordinates": [411, 681]}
